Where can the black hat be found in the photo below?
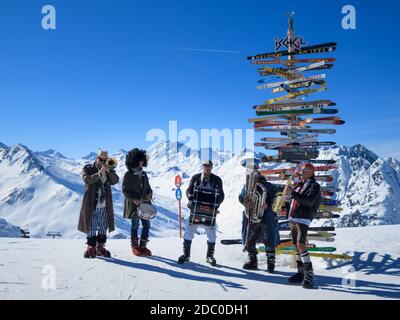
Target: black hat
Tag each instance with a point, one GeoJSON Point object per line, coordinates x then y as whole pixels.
{"type": "Point", "coordinates": [207, 163]}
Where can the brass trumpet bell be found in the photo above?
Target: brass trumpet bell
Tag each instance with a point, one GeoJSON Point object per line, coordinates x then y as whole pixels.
{"type": "Point", "coordinates": [111, 163]}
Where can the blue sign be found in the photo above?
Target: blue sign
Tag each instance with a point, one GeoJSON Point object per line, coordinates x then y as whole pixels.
{"type": "Point", "coordinates": [178, 194]}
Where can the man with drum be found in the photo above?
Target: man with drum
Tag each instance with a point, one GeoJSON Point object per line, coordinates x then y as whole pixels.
{"type": "Point", "coordinates": [138, 195]}
{"type": "Point", "coordinates": [205, 194]}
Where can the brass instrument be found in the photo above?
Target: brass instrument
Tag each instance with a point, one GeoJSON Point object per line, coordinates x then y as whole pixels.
{"type": "Point", "coordinates": [111, 163]}
{"type": "Point", "coordinates": [256, 195]}
{"type": "Point", "coordinates": [280, 198]}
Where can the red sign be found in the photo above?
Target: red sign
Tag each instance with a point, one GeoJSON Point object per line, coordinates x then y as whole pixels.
{"type": "Point", "coordinates": [178, 181]}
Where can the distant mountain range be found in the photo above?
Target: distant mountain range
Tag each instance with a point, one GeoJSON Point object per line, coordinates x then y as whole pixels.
{"type": "Point", "coordinates": [42, 191]}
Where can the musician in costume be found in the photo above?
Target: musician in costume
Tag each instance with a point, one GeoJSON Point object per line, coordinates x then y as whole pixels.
{"type": "Point", "coordinates": [302, 203]}
{"type": "Point", "coordinates": [205, 194]}
{"type": "Point", "coordinates": [97, 212]}
{"type": "Point", "coordinates": [263, 224]}
{"type": "Point", "coordinates": [136, 189]}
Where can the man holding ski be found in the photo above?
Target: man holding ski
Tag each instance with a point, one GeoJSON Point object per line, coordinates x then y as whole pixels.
{"type": "Point", "coordinates": [200, 185]}
{"type": "Point", "coordinates": [97, 212]}
{"type": "Point", "coordinates": [267, 229]}
{"type": "Point", "coordinates": [302, 205]}
{"type": "Point", "coordinates": [136, 189]}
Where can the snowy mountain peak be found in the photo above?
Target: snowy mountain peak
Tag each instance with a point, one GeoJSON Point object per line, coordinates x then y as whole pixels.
{"type": "Point", "coordinates": [90, 156]}
{"type": "Point", "coordinates": [3, 146]}
{"type": "Point", "coordinates": [21, 157]}
{"type": "Point", "coordinates": [51, 154]}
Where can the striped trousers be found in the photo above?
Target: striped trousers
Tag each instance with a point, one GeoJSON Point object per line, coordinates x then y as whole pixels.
{"type": "Point", "coordinates": [99, 222]}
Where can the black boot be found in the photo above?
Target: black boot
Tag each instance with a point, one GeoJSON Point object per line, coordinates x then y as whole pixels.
{"type": "Point", "coordinates": [91, 249]}
{"type": "Point", "coordinates": [210, 253]}
{"type": "Point", "coordinates": [100, 247]}
{"type": "Point", "coordinates": [299, 276]}
{"type": "Point", "coordinates": [271, 261]}
{"type": "Point", "coordinates": [186, 252]}
{"type": "Point", "coordinates": [251, 263]}
{"type": "Point", "coordinates": [308, 281]}
{"type": "Point", "coordinates": [143, 247]}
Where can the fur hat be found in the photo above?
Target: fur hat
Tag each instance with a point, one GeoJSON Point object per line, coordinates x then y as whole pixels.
{"type": "Point", "coordinates": [134, 157]}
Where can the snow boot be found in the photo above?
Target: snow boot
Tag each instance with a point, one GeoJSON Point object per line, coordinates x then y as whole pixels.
{"type": "Point", "coordinates": [100, 247]}
{"type": "Point", "coordinates": [186, 252]}
{"type": "Point", "coordinates": [91, 249]}
{"type": "Point", "coordinates": [299, 276]}
{"type": "Point", "coordinates": [308, 281]}
{"type": "Point", "coordinates": [210, 254]}
{"type": "Point", "coordinates": [143, 249]}
{"type": "Point", "coordinates": [251, 263]}
{"type": "Point", "coordinates": [135, 246]}
{"type": "Point", "coordinates": [271, 261]}
{"type": "Point", "coordinates": [90, 253]}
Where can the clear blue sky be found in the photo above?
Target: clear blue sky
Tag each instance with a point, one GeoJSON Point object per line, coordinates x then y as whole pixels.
{"type": "Point", "coordinates": [108, 73]}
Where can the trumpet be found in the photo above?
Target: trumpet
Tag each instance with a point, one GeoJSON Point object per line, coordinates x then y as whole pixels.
{"type": "Point", "coordinates": [111, 163]}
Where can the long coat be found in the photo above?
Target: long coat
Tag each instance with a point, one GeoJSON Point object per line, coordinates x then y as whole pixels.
{"type": "Point", "coordinates": [91, 178]}
{"type": "Point", "coordinates": [135, 186]}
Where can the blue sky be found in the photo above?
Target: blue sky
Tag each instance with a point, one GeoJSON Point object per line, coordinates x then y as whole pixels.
{"type": "Point", "coordinates": [112, 70]}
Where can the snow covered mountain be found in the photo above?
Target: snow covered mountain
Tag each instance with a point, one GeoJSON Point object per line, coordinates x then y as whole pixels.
{"type": "Point", "coordinates": [42, 191]}
{"type": "Point", "coordinates": [8, 230]}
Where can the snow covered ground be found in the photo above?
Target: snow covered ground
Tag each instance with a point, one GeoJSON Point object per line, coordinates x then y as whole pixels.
{"type": "Point", "coordinates": [27, 265]}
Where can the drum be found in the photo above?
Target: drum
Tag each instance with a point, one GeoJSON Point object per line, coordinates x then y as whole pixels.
{"type": "Point", "coordinates": [146, 211]}
{"type": "Point", "coordinates": [204, 206]}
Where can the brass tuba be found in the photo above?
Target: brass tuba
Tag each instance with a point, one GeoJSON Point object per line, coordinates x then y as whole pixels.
{"type": "Point", "coordinates": [111, 163]}
{"type": "Point", "coordinates": [256, 194]}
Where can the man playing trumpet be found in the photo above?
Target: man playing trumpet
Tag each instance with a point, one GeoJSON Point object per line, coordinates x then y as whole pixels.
{"type": "Point", "coordinates": [97, 212]}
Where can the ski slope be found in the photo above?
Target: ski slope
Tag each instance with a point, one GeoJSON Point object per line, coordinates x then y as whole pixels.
{"type": "Point", "coordinates": [376, 270]}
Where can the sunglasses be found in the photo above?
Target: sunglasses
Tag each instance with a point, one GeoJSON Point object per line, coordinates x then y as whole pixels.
{"type": "Point", "coordinates": [102, 160]}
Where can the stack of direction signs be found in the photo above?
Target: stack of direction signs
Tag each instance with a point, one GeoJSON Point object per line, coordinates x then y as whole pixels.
{"type": "Point", "coordinates": [298, 119]}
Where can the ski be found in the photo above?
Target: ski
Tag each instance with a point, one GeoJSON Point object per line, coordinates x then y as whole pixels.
{"type": "Point", "coordinates": [284, 177]}
{"type": "Point", "coordinates": [279, 160]}
{"type": "Point", "coordinates": [329, 202]}
{"type": "Point", "coordinates": [294, 71]}
{"type": "Point", "coordinates": [300, 122]}
{"type": "Point", "coordinates": [290, 73]}
{"type": "Point", "coordinates": [231, 241]}
{"type": "Point", "coordinates": [326, 215]}
{"type": "Point", "coordinates": [323, 234]}
{"type": "Point", "coordinates": [296, 104]}
{"type": "Point", "coordinates": [285, 62]}
{"type": "Point", "coordinates": [275, 146]}
{"type": "Point", "coordinates": [290, 170]}
{"type": "Point", "coordinates": [284, 226]}
{"type": "Point", "coordinates": [325, 191]}
{"type": "Point", "coordinates": [294, 119]}
{"type": "Point", "coordinates": [300, 112]}
{"type": "Point", "coordinates": [320, 255]}
{"type": "Point", "coordinates": [296, 94]}
{"type": "Point", "coordinates": [288, 130]}
{"type": "Point", "coordinates": [292, 82]}
{"type": "Point", "coordinates": [311, 137]}
{"type": "Point", "coordinates": [330, 208]}
{"type": "Point", "coordinates": [301, 85]}
{"type": "Point", "coordinates": [320, 48]}
{"type": "Point", "coordinates": [310, 248]}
